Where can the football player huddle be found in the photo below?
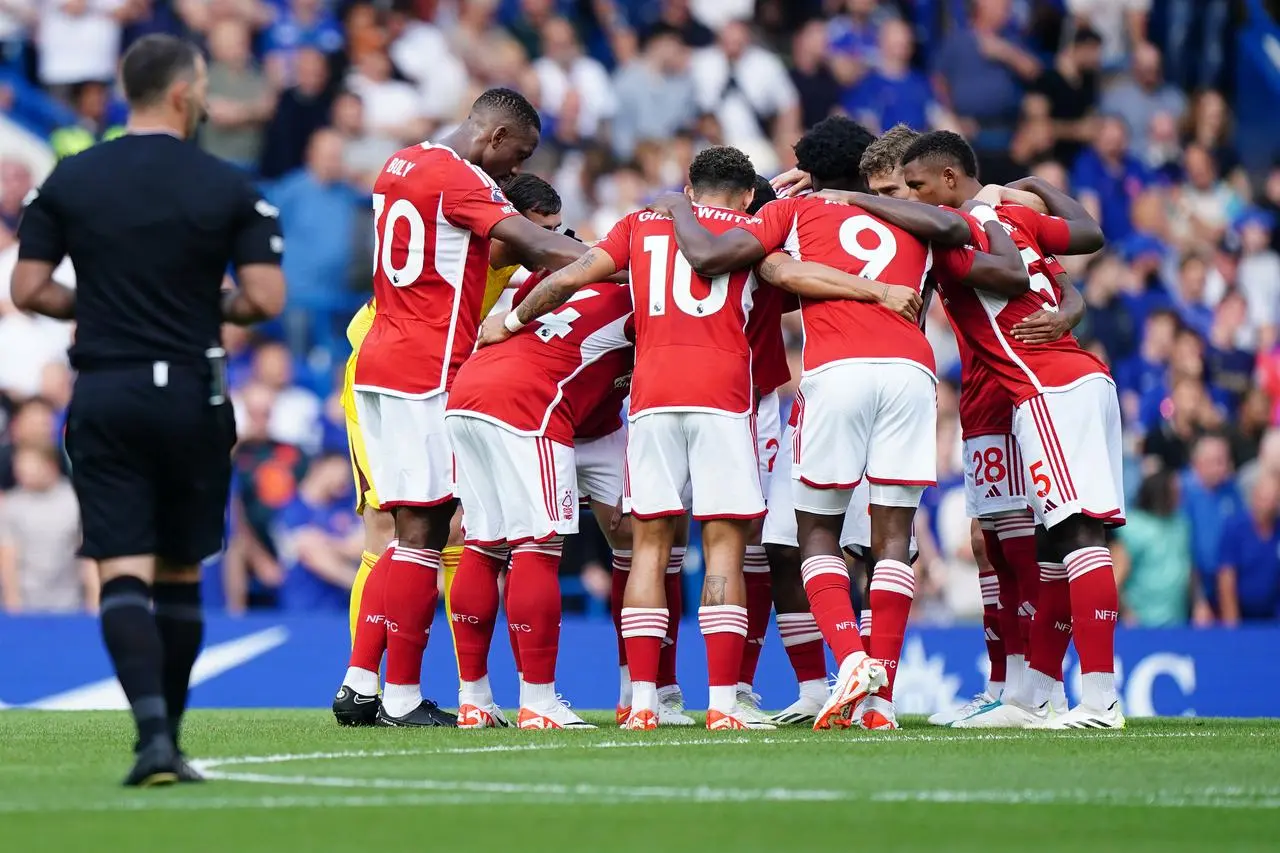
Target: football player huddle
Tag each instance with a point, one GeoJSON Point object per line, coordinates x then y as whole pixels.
{"type": "Point", "coordinates": [475, 446]}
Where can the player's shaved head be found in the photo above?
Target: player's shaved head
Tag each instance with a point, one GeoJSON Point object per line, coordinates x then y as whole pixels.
{"type": "Point", "coordinates": [943, 148]}
{"type": "Point", "coordinates": [831, 151]}
{"type": "Point", "coordinates": [501, 132]}
{"type": "Point", "coordinates": [940, 168]}
{"type": "Point", "coordinates": [764, 194]}
{"type": "Point", "coordinates": [722, 176]}
{"type": "Point", "coordinates": [881, 163]}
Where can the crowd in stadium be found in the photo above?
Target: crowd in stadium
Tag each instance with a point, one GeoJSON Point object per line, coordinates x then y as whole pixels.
{"type": "Point", "coordinates": [1126, 104]}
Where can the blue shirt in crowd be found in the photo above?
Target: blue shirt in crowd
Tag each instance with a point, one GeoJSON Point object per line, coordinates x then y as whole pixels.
{"type": "Point", "coordinates": [1208, 510]}
{"type": "Point", "coordinates": [1116, 189]}
{"type": "Point", "coordinates": [288, 34]}
{"type": "Point", "coordinates": [890, 100]}
{"type": "Point", "coordinates": [1256, 559]}
{"type": "Point", "coordinates": [981, 88]}
{"type": "Point", "coordinates": [303, 591]}
{"type": "Point", "coordinates": [322, 217]}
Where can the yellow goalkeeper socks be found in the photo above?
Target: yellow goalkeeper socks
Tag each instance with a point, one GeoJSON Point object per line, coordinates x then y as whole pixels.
{"type": "Point", "coordinates": [357, 589]}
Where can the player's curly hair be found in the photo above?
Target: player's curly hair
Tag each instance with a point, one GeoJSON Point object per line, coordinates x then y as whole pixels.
{"type": "Point", "coordinates": [764, 195]}
{"type": "Point", "coordinates": [945, 148]}
{"type": "Point", "coordinates": [721, 168]}
{"type": "Point", "coordinates": [832, 150]}
{"type": "Point", "coordinates": [531, 194]}
{"type": "Point", "coordinates": [885, 154]}
{"type": "Point", "coordinates": [511, 105]}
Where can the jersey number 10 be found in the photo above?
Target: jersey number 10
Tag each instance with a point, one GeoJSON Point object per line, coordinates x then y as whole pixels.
{"type": "Point", "coordinates": [658, 248]}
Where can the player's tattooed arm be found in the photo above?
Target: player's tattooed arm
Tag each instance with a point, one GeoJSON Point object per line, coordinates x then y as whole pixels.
{"type": "Point", "coordinates": [713, 590]}
{"type": "Point", "coordinates": [33, 289]}
{"type": "Point", "coordinates": [709, 254]}
{"type": "Point", "coordinates": [1001, 269]}
{"type": "Point", "coordinates": [819, 281]}
{"type": "Point", "coordinates": [935, 224]}
{"type": "Point", "coordinates": [1085, 234]}
{"type": "Point", "coordinates": [552, 292]}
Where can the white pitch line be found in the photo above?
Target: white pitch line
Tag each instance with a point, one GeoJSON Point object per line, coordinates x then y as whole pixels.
{"type": "Point", "coordinates": [1082, 797]}
{"type": "Point", "coordinates": [739, 740]}
{"type": "Point", "coordinates": [160, 801]}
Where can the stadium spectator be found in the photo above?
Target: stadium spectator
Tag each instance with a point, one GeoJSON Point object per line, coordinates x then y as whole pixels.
{"type": "Point", "coordinates": [392, 108]}
{"type": "Point", "coordinates": [320, 539]}
{"type": "Point", "coordinates": [90, 100]}
{"type": "Point", "coordinates": [749, 93]}
{"type": "Point", "coordinates": [318, 210]}
{"type": "Point", "coordinates": [421, 51]}
{"type": "Point", "coordinates": [80, 40]}
{"type": "Point", "coordinates": [1107, 178]}
{"type": "Point", "coordinates": [1177, 421]}
{"type": "Point", "coordinates": [1152, 557]}
{"type": "Point", "coordinates": [301, 111]}
{"type": "Point", "coordinates": [1107, 320]}
{"type": "Point", "coordinates": [1143, 94]}
{"type": "Point", "coordinates": [1204, 205]}
{"type": "Point", "coordinates": [1193, 272]}
{"type": "Point", "coordinates": [676, 15]}
{"type": "Point", "coordinates": [39, 535]}
{"type": "Point", "coordinates": [1143, 374]}
{"type": "Point", "coordinates": [654, 93]}
{"type": "Point", "coordinates": [979, 73]}
{"type": "Point", "coordinates": [576, 92]}
{"type": "Point", "coordinates": [15, 182]}
{"type": "Point", "coordinates": [1208, 124]}
{"type": "Point", "coordinates": [1248, 576]}
{"type": "Point", "coordinates": [1229, 357]}
{"type": "Point", "coordinates": [299, 26]}
{"type": "Point", "coordinates": [892, 92]}
{"type": "Point", "coordinates": [17, 18]}
{"type": "Point", "coordinates": [1122, 25]}
{"type": "Point", "coordinates": [295, 411]}
{"type": "Point", "coordinates": [1258, 275]}
{"type": "Point", "coordinates": [1072, 84]}
{"type": "Point", "coordinates": [363, 153]}
{"type": "Point", "coordinates": [240, 98]}
{"type": "Point", "coordinates": [811, 65]}
{"type": "Point", "coordinates": [1209, 496]}
{"type": "Point", "coordinates": [855, 38]}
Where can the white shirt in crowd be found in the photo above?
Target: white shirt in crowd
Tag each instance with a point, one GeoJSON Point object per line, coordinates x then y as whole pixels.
{"type": "Point", "coordinates": [714, 14]}
{"type": "Point", "coordinates": [28, 342]}
{"type": "Point", "coordinates": [422, 54]}
{"type": "Point", "coordinates": [75, 48]}
{"type": "Point", "coordinates": [589, 79]}
{"type": "Point", "coordinates": [1107, 18]}
{"type": "Point", "coordinates": [388, 105]}
{"type": "Point", "coordinates": [742, 93]}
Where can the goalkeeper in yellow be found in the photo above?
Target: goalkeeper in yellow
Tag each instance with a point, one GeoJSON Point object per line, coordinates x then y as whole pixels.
{"type": "Point", "coordinates": [539, 202]}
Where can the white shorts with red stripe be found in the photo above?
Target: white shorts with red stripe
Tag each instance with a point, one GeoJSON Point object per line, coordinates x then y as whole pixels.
{"type": "Point", "coordinates": [514, 488]}
{"type": "Point", "coordinates": [780, 522]}
{"type": "Point", "coordinates": [768, 437]}
{"type": "Point", "coordinates": [702, 459]}
{"type": "Point", "coordinates": [410, 461]}
{"type": "Point", "coordinates": [994, 476]}
{"type": "Point", "coordinates": [1071, 444]}
{"type": "Point", "coordinates": [600, 463]}
{"type": "Point", "coordinates": [863, 417]}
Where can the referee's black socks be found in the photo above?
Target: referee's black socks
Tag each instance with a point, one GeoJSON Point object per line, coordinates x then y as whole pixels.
{"type": "Point", "coordinates": [181, 625]}
{"type": "Point", "coordinates": [132, 640]}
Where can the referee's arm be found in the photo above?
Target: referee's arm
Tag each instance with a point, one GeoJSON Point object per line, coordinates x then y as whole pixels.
{"type": "Point", "coordinates": [41, 247]}
{"type": "Point", "coordinates": [256, 255]}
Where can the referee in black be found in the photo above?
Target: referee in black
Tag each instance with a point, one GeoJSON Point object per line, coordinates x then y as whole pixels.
{"type": "Point", "coordinates": [151, 224]}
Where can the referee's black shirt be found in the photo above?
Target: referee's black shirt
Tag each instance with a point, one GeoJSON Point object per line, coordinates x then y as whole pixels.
{"type": "Point", "coordinates": [150, 223]}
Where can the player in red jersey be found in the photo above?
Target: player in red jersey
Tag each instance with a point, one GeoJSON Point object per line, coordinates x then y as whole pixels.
{"type": "Point", "coordinates": [436, 206]}
{"type": "Point", "coordinates": [1067, 423]}
{"type": "Point", "coordinates": [518, 483]}
{"type": "Point", "coordinates": [691, 401]}
{"type": "Point", "coordinates": [853, 422]}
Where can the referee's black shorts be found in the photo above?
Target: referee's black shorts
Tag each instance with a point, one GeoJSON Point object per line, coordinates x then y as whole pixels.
{"type": "Point", "coordinates": [150, 462]}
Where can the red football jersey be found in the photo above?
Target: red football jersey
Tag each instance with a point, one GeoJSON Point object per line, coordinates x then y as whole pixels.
{"type": "Point", "coordinates": [433, 212]}
{"type": "Point", "coordinates": [985, 320]}
{"type": "Point", "coordinates": [769, 367]}
{"type": "Point", "coordinates": [849, 239]}
{"type": "Point", "coordinates": [691, 343]}
{"type": "Point", "coordinates": [554, 375]}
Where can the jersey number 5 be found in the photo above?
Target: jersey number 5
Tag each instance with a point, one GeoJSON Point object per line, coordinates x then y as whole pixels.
{"type": "Point", "coordinates": [658, 248]}
{"type": "Point", "coordinates": [415, 258]}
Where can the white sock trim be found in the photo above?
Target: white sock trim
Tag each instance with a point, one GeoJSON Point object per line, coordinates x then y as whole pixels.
{"type": "Point", "coordinates": [823, 564]}
{"type": "Point", "coordinates": [645, 622]}
{"type": "Point", "coordinates": [893, 576]}
{"type": "Point", "coordinates": [722, 619]}
{"type": "Point", "coordinates": [1079, 563]}
{"type": "Point", "coordinates": [797, 628]}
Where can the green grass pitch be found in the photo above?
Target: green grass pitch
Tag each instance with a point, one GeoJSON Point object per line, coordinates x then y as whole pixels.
{"type": "Point", "coordinates": [292, 780]}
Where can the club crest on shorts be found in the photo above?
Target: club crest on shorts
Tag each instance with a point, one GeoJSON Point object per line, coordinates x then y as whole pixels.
{"type": "Point", "coordinates": [567, 504]}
